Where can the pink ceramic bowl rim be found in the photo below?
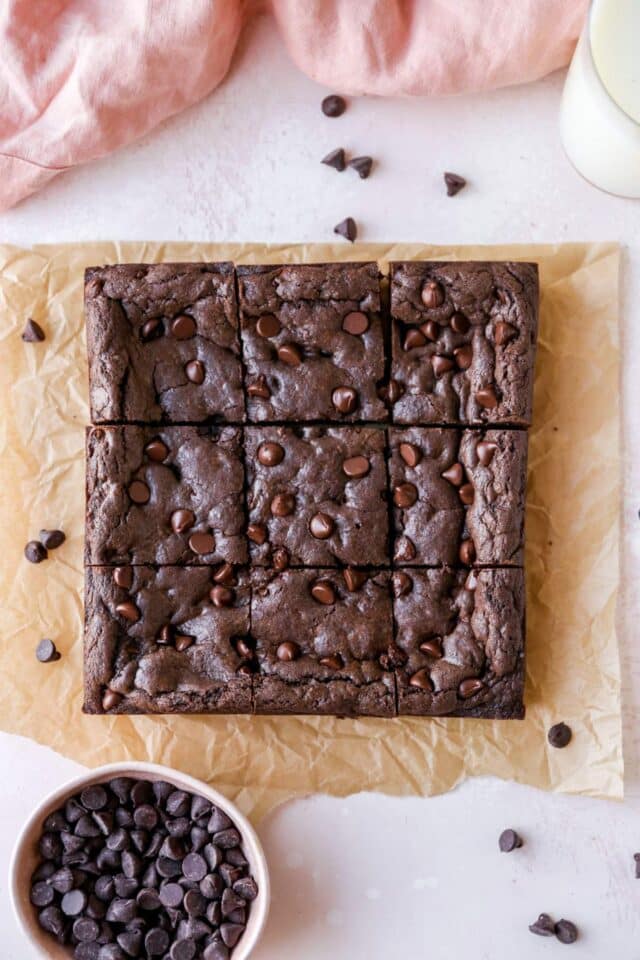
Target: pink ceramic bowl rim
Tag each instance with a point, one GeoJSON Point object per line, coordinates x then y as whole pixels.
{"type": "Point", "coordinates": [25, 854]}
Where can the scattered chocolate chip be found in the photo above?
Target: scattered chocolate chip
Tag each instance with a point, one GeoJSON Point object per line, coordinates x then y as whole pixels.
{"type": "Point", "coordinates": [257, 533]}
{"type": "Point", "coordinates": [334, 105]}
{"type": "Point", "coordinates": [421, 679]}
{"type": "Point", "coordinates": [123, 577]}
{"type": "Point", "coordinates": [414, 339]}
{"type": "Point", "coordinates": [559, 735]}
{"type": "Point", "coordinates": [35, 552]}
{"type": "Point", "coordinates": [182, 520]}
{"type": "Point", "coordinates": [410, 453]}
{"type": "Point", "coordinates": [466, 494]}
{"type": "Point", "coordinates": [268, 326]}
{"type": "Point", "coordinates": [323, 592]}
{"type": "Point", "coordinates": [335, 159]}
{"type": "Point", "coordinates": [194, 371]}
{"type": "Point", "coordinates": [156, 450]}
{"type": "Point", "coordinates": [222, 596]}
{"type": "Point", "coordinates": [128, 610]}
{"type": "Point", "coordinates": [283, 505]}
{"type": "Point", "coordinates": [151, 329]}
{"type": "Point", "coordinates": [463, 357]}
{"type": "Point", "coordinates": [405, 550]}
{"type": "Point", "coordinates": [51, 539]}
{"type": "Point", "coordinates": [485, 450]}
{"type": "Point", "coordinates": [431, 330]}
{"type": "Point", "coordinates": [224, 573]}
{"type": "Point", "coordinates": [509, 840]}
{"type": "Point", "coordinates": [321, 526]}
{"type": "Point", "coordinates": [280, 559]}
{"type": "Point", "coordinates": [487, 398]}
{"type": "Point", "coordinates": [73, 903]}
{"type": "Point", "coordinates": [110, 700]}
{"type": "Point", "coordinates": [454, 183]}
{"type": "Point", "coordinates": [441, 365]}
{"type": "Point", "coordinates": [347, 229]}
{"type": "Point", "coordinates": [42, 894]}
{"type": "Point", "coordinates": [392, 391]}
{"type": "Point", "coordinates": [543, 926]}
{"type": "Point", "coordinates": [332, 662]}
{"type": "Point", "coordinates": [356, 467]}
{"type": "Point", "coordinates": [432, 648]}
{"type": "Point", "coordinates": [454, 474]}
{"type": "Point", "coordinates": [504, 332]}
{"type": "Point", "coordinates": [467, 552]}
{"type": "Point", "coordinates": [344, 399]}
{"type": "Point", "coordinates": [354, 579]}
{"type": "Point", "coordinates": [33, 332]}
{"type": "Point", "coordinates": [459, 323]}
{"type": "Point", "coordinates": [287, 651]}
{"type": "Point", "coordinates": [566, 931]}
{"type": "Point", "coordinates": [471, 686]}
{"type": "Point", "coordinates": [139, 492]}
{"type": "Point", "coordinates": [356, 323]}
{"type": "Point", "coordinates": [202, 543]}
{"type": "Point", "coordinates": [362, 166]}
{"type": "Point", "coordinates": [259, 388]}
{"type": "Point", "coordinates": [401, 583]}
{"type": "Point", "coordinates": [270, 454]}
{"type": "Point", "coordinates": [404, 495]}
{"type": "Point", "coordinates": [432, 295]}
{"type": "Point", "coordinates": [46, 653]}
{"type": "Point", "coordinates": [183, 327]}
{"type": "Point", "coordinates": [291, 354]}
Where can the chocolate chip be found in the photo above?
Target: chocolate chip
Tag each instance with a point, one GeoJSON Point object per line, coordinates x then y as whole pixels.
{"type": "Point", "coordinates": [431, 330]}
{"type": "Point", "coordinates": [283, 504]}
{"type": "Point", "coordinates": [405, 550]}
{"type": "Point", "coordinates": [202, 543]}
{"type": "Point", "coordinates": [472, 581]}
{"type": "Point", "coordinates": [35, 552]}
{"type": "Point", "coordinates": [509, 840]}
{"type": "Point", "coordinates": [441, 365]}
{"type": "Point", "coordinates": [156, 450]}
{"type": "Point", "coordinates": [183, 950]}
{"type": "Point", "coordinates": [504, 332]}
{"type": "Point", "coordinates": [414, 339]}
{"type": "Point", "coordinates": [344, 399]}
{"type": "Point", "coordinates": [224, 574]}
{"type": "Point", "coordinates": [404, 495]}
{"type": "Point", "coordinates": [259, 388]}
{"type": "Point", "coordinates": [347, 228]}
{"type": "Point", "coordinates": [182, 520]}
{"type": "Point", "coordinates": [432, 294]}
{"type": "Point", "coordinates": [52, 920]}
{"type": "Point", "coordinates": [222, 596]}
{"type": "Point", "coordinates": [246, 887]}
{"type": "Point", "coordinates": [33, 332]}
{"type": "Point", "coordinates": [356, 467]}
{"type": "Point", "coordinates": [467, 552]}
{"type": "Point", "coordinates": [51, 539]}
{"type": "Point", "coordinates": [331, 663]}
{"type": "Point", "coordinates": [268, 325]}
{"type": "Point", "coordinates": [432, 648]}
{"type": "Point", "coordinates": [333, 105]}
{"type": "Point", "coordinates": [85, 929]}
{"type": "Point", "coordinates": [42, 894]}
{"type": "Point", "coordinates": [270, 454]}
{"type": "Point", "coordinates": [421, 679]}
{"type": "Point", "coordinates": [216, 950]}
{"type": "Point", "coordinates": [559, 735]}
{"type": "Point", "coordinates": [463, 357]}
{"type": "Point", "coordinates": [94, 797]}
{"type": "Point", "coordinates": [354, 579]}
{"type": "Point", "coordinates": [459, 323]}
{"type": "Point", "coordinates": [171, 894]}
{"type": "Point", "coordinates": [194, 371]}
{"type": "Point", "coordinates": [323, 591]}
{"type": "Point", "coordinates": [466, 494]}
{"type": "Point", "coordinates": [151, 329]}
{"type": "Point", "coordinates": [321, 526]}
{"type": "Point", "coordinates": [335, 159]}
{"type": "Point", "coordinates": [356, 323]}
{"type": "Point", "coordinates": [454, 183]}
{"type": "Point", "coordinates": [110, 700]}
{"type": "Point", "coordinates": [231, 933]}
{"type": "Point", "coordinates": [194, 867]}
{"type": "Point", "coordinates": [393, 391]}
{"type": "Point", "coordinates": [410, 453]}
{"type": "Point", "coordinates": [291, 354]}
{"type": "Point", "coordinates": [487, 398]}
{"type": "Point", "coordinates": [288, 651]}
{"type": "Point", "coordinates": [362, 166]}
{"type": "Point", "coordinates": [139, 492]}
{"type": "Point", "coordinates": [471, 686]}
{"type": "Point", "coordinates": [46, 651]}
{"type": "Point", "coordinates": [156, 942]}
{"type": "Point", "coordinates": [543, 926]}
{"type": "Point", "coordinates": [401, 583]}
{"type": "Point", "coordinates": [123, 576]}
{"type": "Point", "coordinates": [485, 450]}
{"type": "Point", "coordinates": [73, 903]}
{"type": "Point", "coordinates": [454, 474]}
{"type": "Point", "coordinates": [128, 610]}
{"type": "Point", "coordinates": [183, 327]}
{"type": "Point", "coordinates": [566, 931]}
{"type": "Point", "coordinates": [257, 533]}
{"type": "Point", "coordinates": [280, 559]}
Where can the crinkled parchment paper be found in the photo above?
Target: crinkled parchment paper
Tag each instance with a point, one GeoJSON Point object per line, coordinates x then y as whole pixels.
{"type": "Point", "coordinates": [572, 553]}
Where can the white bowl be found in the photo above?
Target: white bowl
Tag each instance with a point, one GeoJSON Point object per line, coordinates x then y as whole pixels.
{"type": "Point", "coordinates": [25, 856]}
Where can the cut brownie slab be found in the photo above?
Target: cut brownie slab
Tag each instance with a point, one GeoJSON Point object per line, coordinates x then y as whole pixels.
{"type": "Point", "coordinates": [458, 495]}
{"type": "Point", "coordinates": [460, 642]}
{"type": "Point", "coordinates": [463, 342]}
{"type": "Point", "coordinates": [321, 639]}
{"type": "Point", "coordinates": [164, 495]}
{"type": "Point", "coordinates": [312, 341]}
{"type": "Point", "coordinates": [163, 344]}
{"type": "Point", "coordinates": [317, 496]}
{"type": "Point", "coordinates": [167, 640]}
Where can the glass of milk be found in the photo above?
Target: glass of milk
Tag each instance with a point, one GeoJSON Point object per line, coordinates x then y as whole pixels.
{"type": "Point", "coordinates": [600, 112]}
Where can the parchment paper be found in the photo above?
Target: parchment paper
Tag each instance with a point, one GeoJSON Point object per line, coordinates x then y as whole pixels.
{"type": "Point", "coordinates": [572, 554]}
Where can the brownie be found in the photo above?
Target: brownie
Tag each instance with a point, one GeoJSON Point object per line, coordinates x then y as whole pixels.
{"type": "Point", "coordinates": [319, 637]}
{"type": "Point", "coordinates": [458, 495]}
{"type": "Point", "coordinates": [164, 495]}
{"type": "Point", "coordinates": [460, 642]}
{"type": "Point", "coordinates": [163, 345]}
{"type": "Point", "coordinates": [316, 496]}
{"type": "Point", "coordinates": [165, 640]}
{"type": "Point", "coordinates": [463, 342]}
{"type": "Point", "coordinates": [312, 341]}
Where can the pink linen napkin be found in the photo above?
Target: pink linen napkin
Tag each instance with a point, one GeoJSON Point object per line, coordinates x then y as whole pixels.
{"type": "Point", "coordinates": [79, 78]}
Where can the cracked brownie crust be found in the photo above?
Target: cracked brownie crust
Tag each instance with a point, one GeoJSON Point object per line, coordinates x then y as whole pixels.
{"type": "Point", "coordinates": [463, 341]}
{"type": "Point", "coordinates": [165, 640]}
{"type": "Point", "coordinates": [169, 495]}
{"type": "Point", "coordinates": [312, 341]}
{"type": "Point", "coordinates": [461, 635]}
{"type": "Point", "coordinates": [458, 495]}
{"type": "Point", "coordinates": [162, 342]}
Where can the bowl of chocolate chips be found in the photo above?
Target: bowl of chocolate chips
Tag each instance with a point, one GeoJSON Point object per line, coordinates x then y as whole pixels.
{"type": "Point", "coordinates": [138, 860]}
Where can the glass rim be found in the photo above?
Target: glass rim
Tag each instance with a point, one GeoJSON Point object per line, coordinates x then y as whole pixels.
{"type": "Point", "coordinates": [603, 85]}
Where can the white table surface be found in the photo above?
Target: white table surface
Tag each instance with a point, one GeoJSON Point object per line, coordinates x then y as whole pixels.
{"type": "Point", "coordinates": [372, 876]}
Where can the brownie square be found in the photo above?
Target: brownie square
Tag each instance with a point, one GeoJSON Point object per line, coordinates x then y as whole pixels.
{"type": "Point", "coordinates": [163, 345]}
{"type": "Point", "coordinates": [463, 342]}
{"type": "Point", "coordinates": [164, 495]}
{"type": "Point", "coordinates": [312, 341]}
{"type": "Point", "coordinates": [320, 636]}
{"type": "Point", "coordinates": [460, 642]}
{"type": "Point", "coordinates": [317, 496]}
{"type": "Point", "coordinates": [165, 641]}
{"type": "Point", "coordinates": [458, 495]}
